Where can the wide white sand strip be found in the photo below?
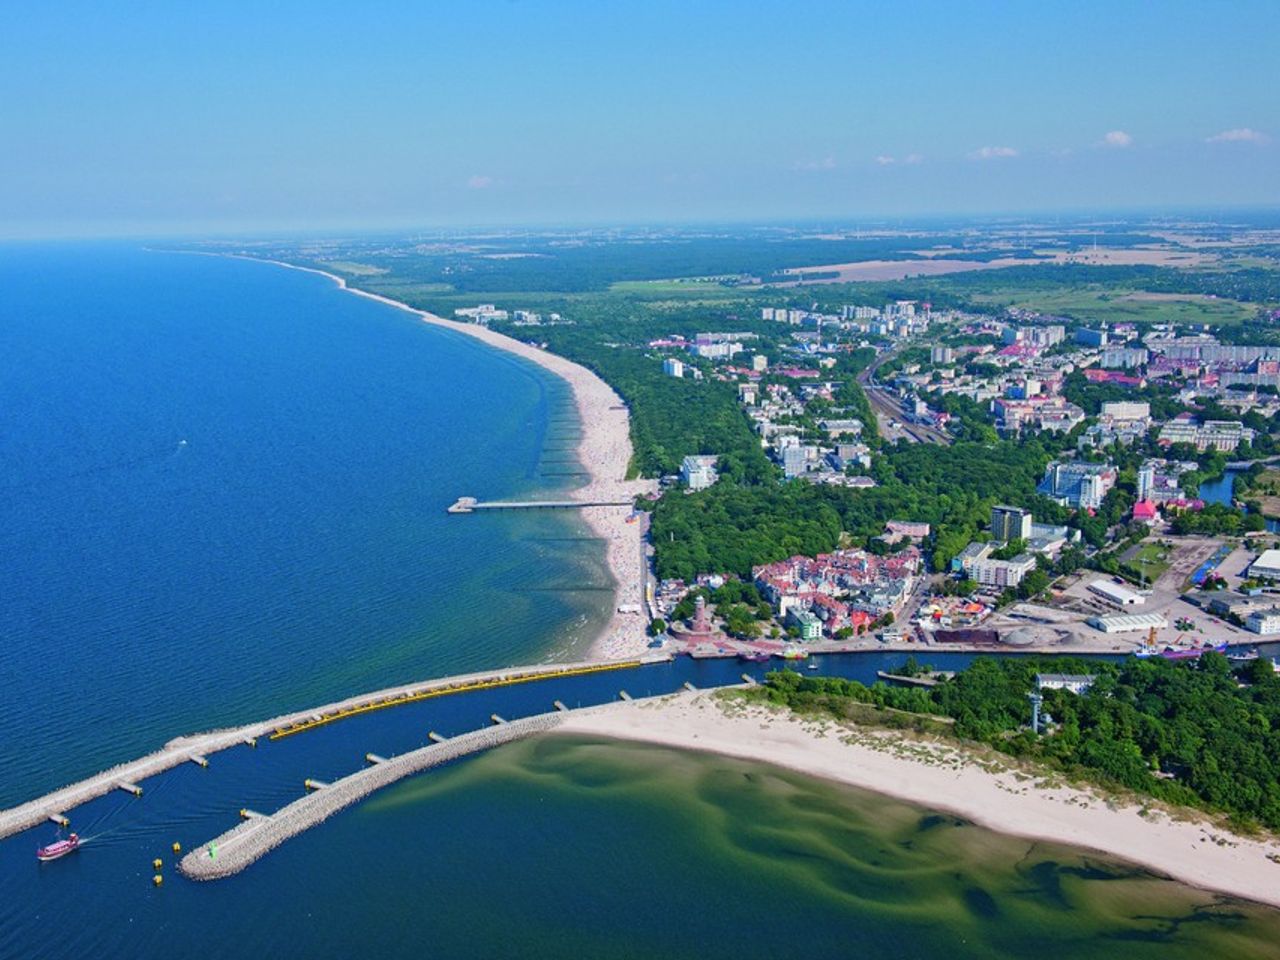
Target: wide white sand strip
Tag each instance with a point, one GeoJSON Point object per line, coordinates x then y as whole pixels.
{"type": "Point", "coordinates": [946, 777]}
{"type": "Point", "coordinates": [605, 452]}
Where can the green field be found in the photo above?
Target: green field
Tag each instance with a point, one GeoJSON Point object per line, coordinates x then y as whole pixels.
{"type": "Point", "coordinates": [1150, 561]}
{"type": "Point", "coordinates": [655, 288]}
{"type": "Point", "coordinates": [353, 269]}
{"type": "Point", "coordinates": [1098, 302]}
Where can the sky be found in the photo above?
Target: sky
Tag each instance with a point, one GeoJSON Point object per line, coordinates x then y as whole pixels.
{"type": "Point", "coordinates": [136, 117]}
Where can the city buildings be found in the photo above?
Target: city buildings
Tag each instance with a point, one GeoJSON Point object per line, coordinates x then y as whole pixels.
{"type": "Point", "coordinates": [1002, 574]}
{"type": "Point", "coordinates": [673, 367]}
{"type": "Point", "coordinates": [1056, 414]}
{"type": "Point", "coordinates": [1123, 358]}
{"type": "Point", "coordinates": [1046, 336]}
{"type": "Point", "coordinates": [483, 314]}
{"type": "Point", "coordinates": [807, 623]}
{"type": "Point", "coordinates": [1158, 480]}
{"type": "Point", "coordinates": [845, 588]}
{"type": "Point", "coordinates": [1264, 621]}
{"type": "Point", "coordinates": [699, 472]}
{"type": "Point", "coordinates": [896, 530]}
{"type": "Point", "coordinates": [1221, 435]}
{"type": "Point", "coordinates": [1076, 484]}
{"type": "Point", "coordinates": [1010, 523]}
{"type": "Point", "coordinates": [721, 350]}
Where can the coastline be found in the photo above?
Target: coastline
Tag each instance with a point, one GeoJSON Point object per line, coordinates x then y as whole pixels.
{"type": "Point", "coordinates": [604, 450]}
{"type": "Point", "coordinates": [992, 793]}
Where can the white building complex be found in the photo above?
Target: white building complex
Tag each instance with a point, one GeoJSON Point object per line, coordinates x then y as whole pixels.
{"type": "Point", "coordinates": [1264, 621]}
{"type": "Point", "coordinates": [1002, 573]}
{"type": "Point", "coordinates": [1077, 484]}
{"type": "Point", "coordinates": [699, 472]}
{"type": "Point", "coordinates": [1221, 435]}
{"type": "Point", "coordinates": [1077, 683]}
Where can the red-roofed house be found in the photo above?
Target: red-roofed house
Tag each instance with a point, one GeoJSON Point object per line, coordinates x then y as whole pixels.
{"type": "Point", "coordinates": [1145, 511]}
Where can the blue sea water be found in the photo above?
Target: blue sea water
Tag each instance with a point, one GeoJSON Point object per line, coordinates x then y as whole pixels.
{"type": "Point", "coordinates": [222, 495]}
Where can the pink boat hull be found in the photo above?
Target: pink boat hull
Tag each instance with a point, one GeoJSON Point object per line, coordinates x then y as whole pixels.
{"type": "Point", "coordinates": [58, 849]}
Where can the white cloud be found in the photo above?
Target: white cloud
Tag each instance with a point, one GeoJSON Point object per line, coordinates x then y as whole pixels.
{"type": "Point", "coordinates": [1238, 135]}
{"type": "Point", "coordinates": [1117, 138]}
{"type": "Point", "coordinates": [826, 163]}
{"type": "Point", "coordinates": [993, 153]}
{"type": "Point", "coordinates": [885, 160]}
{"type": "Point", "coordinates": [479, 182]}
{"type": "Point", "coordinates": [913, 159]}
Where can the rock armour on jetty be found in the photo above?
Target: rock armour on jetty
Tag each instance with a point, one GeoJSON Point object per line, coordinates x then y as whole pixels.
{"type": "Point", "coordinates": [180, 750]}
{"type": "Point", "coordinates": [246, 843]}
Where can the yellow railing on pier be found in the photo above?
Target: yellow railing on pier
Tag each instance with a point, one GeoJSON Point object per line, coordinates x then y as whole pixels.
{"type": "Point", "coordinates": [403, 698]}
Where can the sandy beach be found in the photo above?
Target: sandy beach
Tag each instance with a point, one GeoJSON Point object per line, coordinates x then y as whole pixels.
{"type": "Point", "coordinates": [604, 451]}
{"type": "Point", "coordinates": [988, 790]}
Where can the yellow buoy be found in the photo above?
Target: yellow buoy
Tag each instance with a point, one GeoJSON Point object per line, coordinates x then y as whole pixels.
{"type": "Point", "coordinates": [157, 880]}
{"type": "Point", "coordinates": [177, 847]}
{"type": "Point", "coordinates": [157, 863]}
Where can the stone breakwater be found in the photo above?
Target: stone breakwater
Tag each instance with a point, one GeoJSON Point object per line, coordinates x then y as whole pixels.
{"type": "Point", "coordinates": [181, 749]}
{"type": "Point", "coordinates": [246, 843]}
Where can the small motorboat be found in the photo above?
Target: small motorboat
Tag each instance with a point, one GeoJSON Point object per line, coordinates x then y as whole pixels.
{"type": "Point", "coordinates": [812, 665]}
{"type": "Point", "coordinates": [59, 848]}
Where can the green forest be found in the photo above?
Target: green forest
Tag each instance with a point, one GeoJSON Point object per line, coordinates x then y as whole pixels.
{"type": "Point", "coordinates": [1188, 733]}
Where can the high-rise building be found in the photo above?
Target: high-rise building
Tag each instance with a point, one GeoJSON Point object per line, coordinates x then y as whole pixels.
{"type": "Point", "coordinates": [794, 461]}
{"type": "Point", "coordinates": [1010, 523]}
{"type": "Point", "coordinates": [1078, 484]}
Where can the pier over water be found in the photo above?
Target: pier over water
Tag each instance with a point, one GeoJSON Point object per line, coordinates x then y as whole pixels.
{"type": "Point", "coordinates": [471, 504]}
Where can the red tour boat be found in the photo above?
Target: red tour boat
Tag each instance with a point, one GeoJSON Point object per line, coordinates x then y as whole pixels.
{"type": "Point", "coordinates": [59, 848]}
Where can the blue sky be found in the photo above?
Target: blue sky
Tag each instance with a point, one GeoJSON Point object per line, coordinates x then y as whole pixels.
{"type": "Point", "coordinates": [179, 117]}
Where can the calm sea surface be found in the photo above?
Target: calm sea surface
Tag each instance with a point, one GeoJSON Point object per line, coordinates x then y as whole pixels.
{"type": "Point", "coordinates": [223, 493]}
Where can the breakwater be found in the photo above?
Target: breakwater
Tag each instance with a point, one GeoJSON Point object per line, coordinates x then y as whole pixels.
{"type": "Point", "coordinates": [256, 836]}
{"type": "Point", "coordinates": [189, 748]}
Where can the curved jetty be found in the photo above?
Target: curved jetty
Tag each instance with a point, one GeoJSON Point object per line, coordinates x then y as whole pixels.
{"type": "Point", "coordinates": [257, 836]}
{"type": "Point", "coordinates": [185, 749]}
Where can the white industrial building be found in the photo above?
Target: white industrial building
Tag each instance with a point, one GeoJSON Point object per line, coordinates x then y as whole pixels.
{"type": "Point", "coordinates": [1128, 622]}
{"type": "Point", "coordinates": [1115, 594]}
{"type": "Point", "coordinates": [1267, 565]}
